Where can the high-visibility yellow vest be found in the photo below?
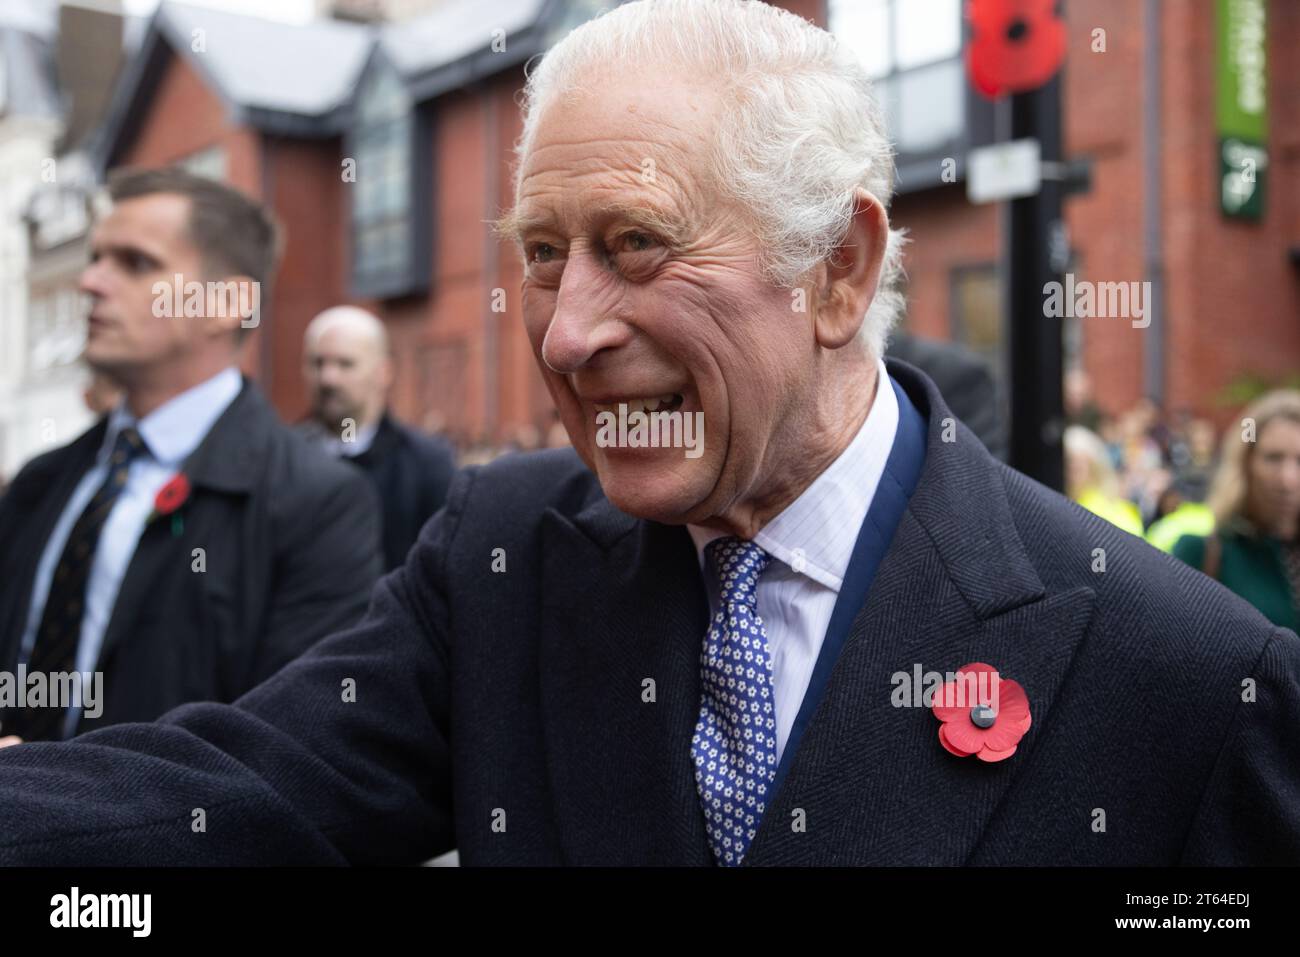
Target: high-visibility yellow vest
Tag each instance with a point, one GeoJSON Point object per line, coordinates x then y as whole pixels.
{"type": "Point", "coordinates": [1119, 512]}
{"type": "Point", "coordinates": [1190, 518]}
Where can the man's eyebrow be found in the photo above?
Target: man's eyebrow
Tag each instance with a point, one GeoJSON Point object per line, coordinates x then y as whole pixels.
{"type": "Point", "coordinates": [515, 225]}
{"type": "Point", "coordinates": [109, 248]}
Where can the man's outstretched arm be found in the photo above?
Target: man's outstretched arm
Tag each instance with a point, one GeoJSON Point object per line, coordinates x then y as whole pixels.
{"type": "Point", "coordinates": [343, 756]}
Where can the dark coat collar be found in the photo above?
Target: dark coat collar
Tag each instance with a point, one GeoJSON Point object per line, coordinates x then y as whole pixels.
{"type": "Point", "coordinates": [227, 458]}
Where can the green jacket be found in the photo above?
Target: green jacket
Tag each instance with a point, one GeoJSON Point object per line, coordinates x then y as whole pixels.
{"type": "Point", "coordinates": [1251, 565]}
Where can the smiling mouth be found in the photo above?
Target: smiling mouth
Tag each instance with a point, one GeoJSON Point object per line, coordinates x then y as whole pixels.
{"type": "Point", "coordinates": [669, 402]}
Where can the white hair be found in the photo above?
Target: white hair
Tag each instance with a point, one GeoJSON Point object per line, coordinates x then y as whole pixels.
{"type": "Point", "coordinates": [800, 133]}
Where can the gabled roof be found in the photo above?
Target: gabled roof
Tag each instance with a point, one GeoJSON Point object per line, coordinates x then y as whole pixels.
{"type": "Point", "coordinates": [300, 80]}
{"type": "Point", "coordinates": [452, 46]}
{"type": "Point", "coordinates": [281, 77]}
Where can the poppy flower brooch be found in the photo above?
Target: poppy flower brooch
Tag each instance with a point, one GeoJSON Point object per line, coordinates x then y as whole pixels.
{"type": "Point", "coordinates": [170, 498]}
{"type": "Point", "coordinates": [981, 714]}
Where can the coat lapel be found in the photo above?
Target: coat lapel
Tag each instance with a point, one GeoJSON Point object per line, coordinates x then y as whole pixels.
{"type": "Point", "coordinates": [39, 495]}
{"type": "Point", "coordinates": [624, 604]}
{"type": "Point", "coordinates": [870, 783]}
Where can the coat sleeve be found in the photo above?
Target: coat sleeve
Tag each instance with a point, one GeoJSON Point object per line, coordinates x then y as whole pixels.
{"type": "Point", "coordinates": [343, 756]}
{"type": "Point", "coordinates": [1250, 810]}
{"type": "Point", "coordinates": [327, 562]}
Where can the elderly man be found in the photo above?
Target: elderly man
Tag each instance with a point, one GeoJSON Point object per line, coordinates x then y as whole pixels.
{"type": "Point", "coordinates": [349, 371]}
{"type": "Point", "coordinates": [628, 654]}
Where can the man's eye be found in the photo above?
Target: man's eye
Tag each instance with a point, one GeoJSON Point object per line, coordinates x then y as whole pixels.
{"type": "Point", "coordinates": [542, 253]}
{"type": "Point", "coordinates": [637, 242]}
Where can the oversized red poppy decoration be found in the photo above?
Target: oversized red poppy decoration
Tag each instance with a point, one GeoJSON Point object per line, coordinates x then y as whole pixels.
{"type": "Point", "coordinates": [1016, 45]}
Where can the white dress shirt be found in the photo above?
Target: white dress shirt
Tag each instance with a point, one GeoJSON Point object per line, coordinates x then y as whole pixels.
{"type": "Point", "coordinates": [811, 542]}
{"type": "Point", "coordinates": [348, 449]}
{"type": "Point", "coordinates": [170, 433]}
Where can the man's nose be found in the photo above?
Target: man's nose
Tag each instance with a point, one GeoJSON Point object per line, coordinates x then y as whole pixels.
{"type": "Point", "coordinates": [92, 279]}
{"type": "Point", "coordinates": [582, 324]}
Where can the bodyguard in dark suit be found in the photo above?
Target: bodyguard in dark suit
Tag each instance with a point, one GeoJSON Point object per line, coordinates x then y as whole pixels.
{"type": "Point", "coordinates": [709, 650]}
{"type": "Point", "coordinates": [348, 370]}
{"type": "Point", "coordinates": [964, 380]}
{"type": "Point", "coordinates": [188, 545]}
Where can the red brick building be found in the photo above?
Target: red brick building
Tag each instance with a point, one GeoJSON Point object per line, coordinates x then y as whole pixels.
{"type": "Point", "coordinates": [385, 150]}
{"type": "Point", "coordinates": [1231, 287]}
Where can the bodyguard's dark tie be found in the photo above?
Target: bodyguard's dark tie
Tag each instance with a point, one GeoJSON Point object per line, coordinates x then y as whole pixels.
{"type": "Point", "coordinates": [59, 633]}
{"type": "Point", "coordinates": [734, 746]}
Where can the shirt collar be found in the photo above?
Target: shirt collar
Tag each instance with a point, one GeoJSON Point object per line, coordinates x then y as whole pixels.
{"type": "Point", "coordinates": [174, 430]}
{"type": "Point", "coordinates": [815, 534]}
{"type": "Point", "coordinates": [364, 438]}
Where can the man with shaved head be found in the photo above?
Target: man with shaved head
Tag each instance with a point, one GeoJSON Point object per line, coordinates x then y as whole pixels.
{"type": "Point", "coordinates": [348, 369]}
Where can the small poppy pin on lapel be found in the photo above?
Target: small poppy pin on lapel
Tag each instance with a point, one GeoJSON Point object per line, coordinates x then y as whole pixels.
{"type": "Point", "coordinates": [981, 713]}
{"type": "Point", "coordinates": [170, 497]}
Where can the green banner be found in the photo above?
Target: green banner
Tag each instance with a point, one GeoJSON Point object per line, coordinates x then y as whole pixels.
{"type": "Point", "coordinates": [1241, 105]}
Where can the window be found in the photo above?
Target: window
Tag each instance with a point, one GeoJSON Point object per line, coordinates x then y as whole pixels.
{"type": "Point", "coordinates": [912, 49]}
{"type": "Point", "coordinates": [388, 215]}
{"type": "Point", "coordinates": [977, 317]}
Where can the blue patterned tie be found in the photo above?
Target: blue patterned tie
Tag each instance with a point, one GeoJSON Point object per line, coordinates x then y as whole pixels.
{"type": "Point", "coordinates": [734, 745]}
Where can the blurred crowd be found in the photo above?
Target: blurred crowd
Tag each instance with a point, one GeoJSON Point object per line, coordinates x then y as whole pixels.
{"type": "Point", "coordinates": [1228, 504]}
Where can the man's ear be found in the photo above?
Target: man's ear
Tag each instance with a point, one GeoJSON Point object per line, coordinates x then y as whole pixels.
{"type": "Point", "coordinates": [847, 281]}
{"type": "Point", "coordinates": [232, 300]}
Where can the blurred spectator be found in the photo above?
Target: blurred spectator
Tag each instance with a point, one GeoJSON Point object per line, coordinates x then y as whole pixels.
{"type": "Point", "coordinates": [964, 380]}
{"type": "Point", "coordinates": [1255, 498]}
{"type": "Point", "coordinates": [557, 437]}
{"type": "Point", "coordinates": [1142, 476]}
{"type": "Point", "coordinates": [1191, 454]}
{"type": "Point", "coordinates": [1080, 409]}
{"type": "Point", "coordinates": [1090, 480]}
{"type": "Point", "coordinates": [349, 371]}
{"type": "Point", "coordinates": [1180, 513]}
{"type": "Point", "coordinates": [188, 545]}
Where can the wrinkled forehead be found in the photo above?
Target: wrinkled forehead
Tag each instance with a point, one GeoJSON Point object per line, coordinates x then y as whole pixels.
{"type": "Point", "coordinates": [620, 142]}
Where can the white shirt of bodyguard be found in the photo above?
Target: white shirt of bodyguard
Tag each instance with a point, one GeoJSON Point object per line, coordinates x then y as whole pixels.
{"type": "Point", "coordinates": [814, 534]}
{"type": "Point", "coordinates": [171, 433]}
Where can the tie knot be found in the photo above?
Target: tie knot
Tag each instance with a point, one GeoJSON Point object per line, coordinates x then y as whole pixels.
{"type": "Point", "coordinates": [738, 564]}
{"type": "Point", "coordinates": [128, 445]}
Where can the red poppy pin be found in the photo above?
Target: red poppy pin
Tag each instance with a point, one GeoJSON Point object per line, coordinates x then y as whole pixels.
{"type": "Point", "coordinates": [981, 713]}
{"type": "Point", "coordinates": [170, 497]}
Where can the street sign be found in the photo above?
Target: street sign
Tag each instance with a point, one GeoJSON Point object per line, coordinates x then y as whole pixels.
{"type": "Point", "coordinates": [1241, 106]}
{"type": "Point", "coordinates": [1004, 171]}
